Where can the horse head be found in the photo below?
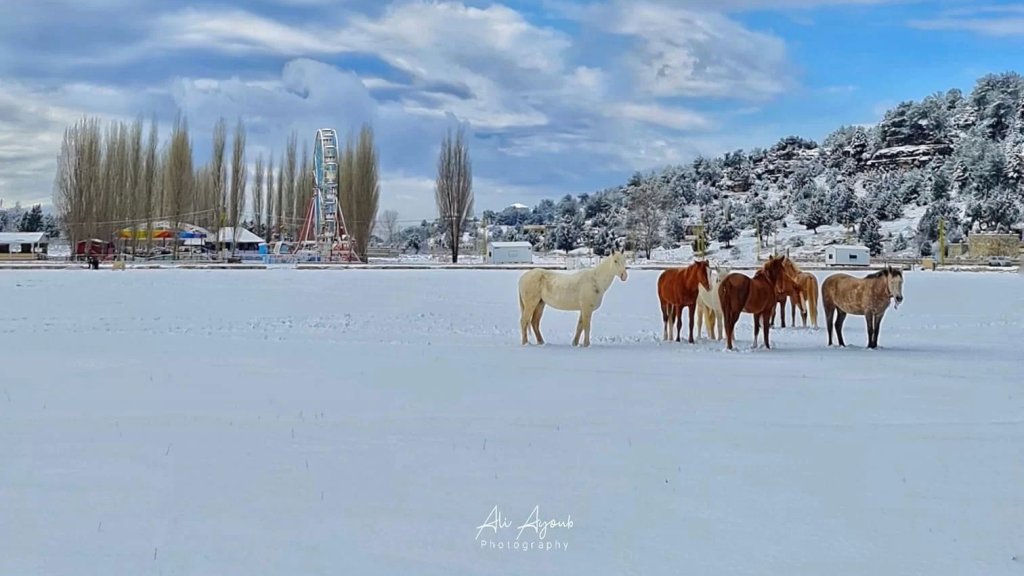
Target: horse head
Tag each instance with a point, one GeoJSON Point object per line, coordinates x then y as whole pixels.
{"type": "Point", "coordinates": [894, 283]}
{"type": "Point", "coordinates": [703, 275]}
{"type": "Point", "coordinates": [776, 272]}
{"type": "Point", "coordinates": [617, 261]}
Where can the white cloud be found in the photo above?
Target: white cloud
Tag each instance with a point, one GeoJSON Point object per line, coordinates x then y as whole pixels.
{"type": "Point", "coordinates": [681, 52]}
{"type": "Point", "coordinates": [552, 113]}
{"type": "Point", "coordinates": [996, 21]}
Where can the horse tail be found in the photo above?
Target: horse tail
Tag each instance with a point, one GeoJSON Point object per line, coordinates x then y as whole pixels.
{"type": "Point", "coordinates": [812, 299]}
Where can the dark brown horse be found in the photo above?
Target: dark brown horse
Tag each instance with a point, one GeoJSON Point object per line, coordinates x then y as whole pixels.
{"type": "Point", "coordinates": [758, 295]}
{"type": "Point", "coordinates": [842, 294]}
{"type": "Point", "coordinates": [677, 289]}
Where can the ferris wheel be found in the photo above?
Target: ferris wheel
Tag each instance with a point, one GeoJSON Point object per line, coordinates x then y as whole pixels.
{"type": "Point", "coordinates": [324, 226]}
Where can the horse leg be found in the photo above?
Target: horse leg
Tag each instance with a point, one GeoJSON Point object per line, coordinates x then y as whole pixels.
{"type": "Point", "coordinates": [830, 312]}
{"type": "Point", "coordinates": [526, 314]}
{"type": "Point", "coordinates": [730, 326]}
{"type": "Point", "coordinates": [700, 320]}
{"type": "Point", "coordinates": [666, 315]}
{"type": "Point", "coordinates": [757, 327]}
{"type": "Point", "coordinates": [537, 313]}
{"type": "Point", "coordinates": [720, 321]}
{"type": "Point", "coordinates": [878, 326]}
{"type": "Point", "coordinates": [812, 303]}
{"type": "Point", "coordinates": [586, 316]}
{"type": "Point", "coordinates": [579, 330]}
{"type": "Point", "coordinates": [782, 311]}
{"type": "Point", "coordinates": [766, 343]}
{"type": "Point", "coordinates": [840, 318]}
{"type": "Point", "coordinates": [692, 310]}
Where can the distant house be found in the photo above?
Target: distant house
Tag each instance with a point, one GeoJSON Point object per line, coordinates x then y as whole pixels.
{"type": "Point", "coordinates": [23, 245]}
{"type": "Point", "coordinates": [510, 253]}
{"type": "Point", "coordinates": [847, 256]}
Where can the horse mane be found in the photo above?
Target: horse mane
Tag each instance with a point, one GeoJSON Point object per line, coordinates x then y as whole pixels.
{"type": "Point", "coordinates": [886, 272]}
{"type": "Point", "coordinates": [762, 272]}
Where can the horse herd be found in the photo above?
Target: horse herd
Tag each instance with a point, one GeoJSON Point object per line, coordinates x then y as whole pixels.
{"type": "Point", "coordinates": [716, 297]}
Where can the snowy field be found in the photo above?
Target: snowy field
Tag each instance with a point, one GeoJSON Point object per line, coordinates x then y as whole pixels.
{"type": "Point", "coordinates": [368, 422]}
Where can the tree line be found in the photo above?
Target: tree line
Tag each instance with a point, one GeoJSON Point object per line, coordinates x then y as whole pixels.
{"type": "Point", "coordinates": [118, 180]}
{"type": "Point", "coordinates": [958, 156]}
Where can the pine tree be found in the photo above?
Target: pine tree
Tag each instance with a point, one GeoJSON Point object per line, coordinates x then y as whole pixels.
{"type": "Point", "coordinates": [900, 243]}
{"type": "Point", "coordinates": [940, 187]}
{"type": "Point", "coordinates": [870, 233]}
{"type": "Point", "coordinates": [32, 221]}
{"type": "Point", "coordinates": [727, 233]}
{"type": "Point", "coordinates": [813, 212]}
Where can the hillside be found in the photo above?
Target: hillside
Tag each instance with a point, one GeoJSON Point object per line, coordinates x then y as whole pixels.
{"type": "Point", "coordinates": [951, 156]}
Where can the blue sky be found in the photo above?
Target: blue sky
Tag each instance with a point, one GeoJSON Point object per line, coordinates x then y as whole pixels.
{"type": "Point", "coordinates": [560, 96]}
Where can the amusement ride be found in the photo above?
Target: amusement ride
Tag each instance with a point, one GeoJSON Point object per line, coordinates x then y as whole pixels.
{"type": "Point", "coordinates": [323, 229]}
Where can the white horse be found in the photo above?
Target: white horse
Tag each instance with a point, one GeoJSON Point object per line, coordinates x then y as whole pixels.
{"type": "Point", "coordinates": [709, 308]}
{"type": "Point", "coordinates": [582, 291]}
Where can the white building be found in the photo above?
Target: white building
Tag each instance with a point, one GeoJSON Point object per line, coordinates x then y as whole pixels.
{"type": "Point", "coordinates": [23, 244]}
{"type": "Point", "coordinates": [847, 256]}
{"type": "Point", "coordinates": [510, 253]}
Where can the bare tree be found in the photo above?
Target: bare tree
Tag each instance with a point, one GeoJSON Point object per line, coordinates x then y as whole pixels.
{"type": "Point", "coordinates": [453, 190]}
{"type": "Point", "coordinates": [304, 188]}
{"type": "Point", "coordinates": [389, 223]}
{"type": "Point", "coordinates": [279, 217]}
{"type": "Point", "coordinates": [290, 169]}
{"type": "Point", "coordinates": [236, 202]}
{"type": "Point", "coordinates": [359, 189]}
{"type": "Point", "coordinates": [78, 177]}
{"type": "Point", "coordinates": [646, 215]}
{"type": "Point", "coordinates": [179, 175]}
{"type": "Point", "coordinates": [218, 172]}
{"type": "Point", "coordinates": [257, 195]}
{"type": "Point", "coordinates": [136, 170]}
{"type": "Point", "coordinates": [271, 197]}
{"type": "Point", "coordinates": [150, 179]}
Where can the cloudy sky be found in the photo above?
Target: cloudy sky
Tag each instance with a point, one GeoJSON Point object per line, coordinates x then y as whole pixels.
{"type": "Point", "coordinates": [560, 96]}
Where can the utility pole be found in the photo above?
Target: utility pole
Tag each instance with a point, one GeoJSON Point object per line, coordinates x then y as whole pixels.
{"type": "Point", "coordinates": [942, 241]}
{"type": "Point", "coordinates": [484, 220]}
{"type": "Point", "coordinates": [758, 256]}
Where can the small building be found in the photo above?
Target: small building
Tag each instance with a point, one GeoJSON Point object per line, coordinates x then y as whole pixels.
{"type": "Point", "coordinates": [102, 249]}
{"type": "Point", "coordinates": [847, 256]}
{"type": "Point", "coordinates": [983, 245]}
{"type": "Point", "coordinates": [247, 241]}
{"type": "Point", "coordinates": [23, 245]}
{"type": "Point", "coordinates": [510, 253]}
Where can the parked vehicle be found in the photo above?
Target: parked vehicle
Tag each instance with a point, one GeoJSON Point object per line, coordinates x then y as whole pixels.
{"type": "Point", "coordinates": [999, 261]}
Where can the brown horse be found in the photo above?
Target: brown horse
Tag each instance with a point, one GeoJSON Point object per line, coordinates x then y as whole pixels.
{"type": "Point", "coordinates": [805, 296]}
{"type": "Point", "coordinates": [842, 294]}
{"type": "Point", "coordinates": [795, 299]}
{"type": "Point", "coordinates": [677, 289]}
{"type": "Point", "coordinates": [738, 293]}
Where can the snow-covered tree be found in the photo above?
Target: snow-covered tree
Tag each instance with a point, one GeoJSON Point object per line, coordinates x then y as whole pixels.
{"type": "Point", "coordinates": [870, 233]}
{"type": "Point", "coordinates": [32, 221]}
{"type": "Point", "coordinates": [813, 210]}
{"type": "Point", "coordinates": [646, 204]}
{"type": "Point", "coordinates": [900, 243]}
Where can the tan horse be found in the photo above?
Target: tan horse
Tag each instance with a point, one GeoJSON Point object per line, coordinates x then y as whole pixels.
{"type": "Point", "coordinates": [807, 285]}
{"type": "Point", "coordinates": [756, 296]}
{"type": "Point", "coordinates": [842, 294]}
{"type": "Point", "coordinates": [582, 291]}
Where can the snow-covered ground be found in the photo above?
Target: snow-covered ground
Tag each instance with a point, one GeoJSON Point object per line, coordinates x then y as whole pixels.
{"type": "Point", "coordinates": [368, 422]}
